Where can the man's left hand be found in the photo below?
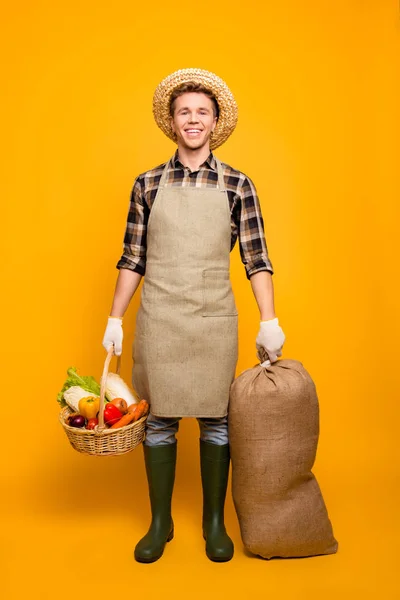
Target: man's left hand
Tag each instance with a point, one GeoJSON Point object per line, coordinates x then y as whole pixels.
{"type": "Point", "coordinates": [271, 338]}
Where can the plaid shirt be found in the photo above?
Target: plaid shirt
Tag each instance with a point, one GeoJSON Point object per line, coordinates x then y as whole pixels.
{"type": "Point", "coordinates": [246, 218]}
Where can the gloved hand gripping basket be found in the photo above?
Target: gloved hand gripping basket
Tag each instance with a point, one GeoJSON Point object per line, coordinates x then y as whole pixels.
{"type": "Point", "coordinates": [103, 439]}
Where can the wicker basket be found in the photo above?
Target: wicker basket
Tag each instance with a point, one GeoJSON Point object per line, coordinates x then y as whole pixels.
{"type": "Point", "coordinates": [102, 441]}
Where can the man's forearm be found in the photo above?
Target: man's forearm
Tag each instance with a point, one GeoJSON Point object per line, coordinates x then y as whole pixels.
{"type": "Point", "coordinates": [126, 286]}
{"type": "Point", "coordinates": [263, 290]}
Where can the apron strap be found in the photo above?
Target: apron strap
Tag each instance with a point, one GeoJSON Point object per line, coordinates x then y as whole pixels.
{"type": "Point", "coordinates": [164, 174]}
{"type": "Point", "coordinates": [221, 183]}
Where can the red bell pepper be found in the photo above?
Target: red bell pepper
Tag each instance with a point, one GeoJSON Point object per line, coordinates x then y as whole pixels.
{"type": "Point", "coordinates": [111, 414]}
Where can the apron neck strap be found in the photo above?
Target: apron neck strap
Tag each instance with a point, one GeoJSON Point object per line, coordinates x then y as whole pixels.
{"type": "Point", "coordinates": [221, 183]}
{"type": "Point", "coordinates": [164, 174]}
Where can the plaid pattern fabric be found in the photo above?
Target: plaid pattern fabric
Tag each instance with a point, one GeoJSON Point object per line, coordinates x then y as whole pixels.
{"type": "Point", "coordinates": [246, 219]}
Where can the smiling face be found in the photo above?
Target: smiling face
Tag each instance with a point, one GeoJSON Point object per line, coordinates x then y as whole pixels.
{"type": "Point", "coordinates": [193, 120]}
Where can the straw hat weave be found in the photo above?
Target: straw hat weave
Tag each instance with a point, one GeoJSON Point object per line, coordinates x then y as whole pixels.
{"type": "Point", "coordinates": [228, 111]}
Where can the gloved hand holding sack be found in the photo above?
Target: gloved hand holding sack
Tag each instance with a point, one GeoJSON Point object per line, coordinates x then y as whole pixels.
{"type": "Point", "coordinates": [274, 430]}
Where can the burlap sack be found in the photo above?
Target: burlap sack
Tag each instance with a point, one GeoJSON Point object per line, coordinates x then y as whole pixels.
{"type": "Point", "coordinates": [273, 432]}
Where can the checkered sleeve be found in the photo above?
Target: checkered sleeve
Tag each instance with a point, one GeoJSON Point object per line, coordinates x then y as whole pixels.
{"type": "Point", "coordinates": [252, 242]}
{"type": "Point", "coordinates": [134, 254]}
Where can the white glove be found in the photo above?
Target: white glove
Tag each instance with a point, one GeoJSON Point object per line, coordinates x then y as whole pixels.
{"type": "Point", "coordinates": [271, 339]}
{"type": "Point", "coordinates": [113, 335]}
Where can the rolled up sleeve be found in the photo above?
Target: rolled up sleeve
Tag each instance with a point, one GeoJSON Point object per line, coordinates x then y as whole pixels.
{"type": "Point", "coordinates": [252, 242]}
{"type": "Point", "coordinates": [134, 246]}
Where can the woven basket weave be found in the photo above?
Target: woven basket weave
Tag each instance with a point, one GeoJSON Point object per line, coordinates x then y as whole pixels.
{"type": "Point", "coordinates": [102, 441]}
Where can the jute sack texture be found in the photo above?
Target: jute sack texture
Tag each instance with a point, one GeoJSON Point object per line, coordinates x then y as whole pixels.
{"type": "Point", "coordinates": [273, 433]}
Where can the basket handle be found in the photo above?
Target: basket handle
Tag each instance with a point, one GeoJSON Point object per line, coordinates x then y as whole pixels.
{"type": "Point", "coordinates": [109, 356]}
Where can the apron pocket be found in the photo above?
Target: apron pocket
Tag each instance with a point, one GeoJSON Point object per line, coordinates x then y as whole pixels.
{"type": "Point", "coordinates": [218, 298]}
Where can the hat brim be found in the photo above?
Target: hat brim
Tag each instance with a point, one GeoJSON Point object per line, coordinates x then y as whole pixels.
{"type": "Point", "coordinates": [228, 111]}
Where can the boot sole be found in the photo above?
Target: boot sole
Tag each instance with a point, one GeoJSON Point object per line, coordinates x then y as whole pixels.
{"type": "Point", "coordinates": [215, 559]}
{"type": "Point", "coordinates": [154, 558]}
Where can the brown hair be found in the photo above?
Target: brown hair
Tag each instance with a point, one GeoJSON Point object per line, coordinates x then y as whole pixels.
{"type": "Point", "coordinates": [189, 87]}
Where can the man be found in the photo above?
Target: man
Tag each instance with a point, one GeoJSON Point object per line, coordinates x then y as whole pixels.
{"type": "Point", "coordinates": [184, 218]}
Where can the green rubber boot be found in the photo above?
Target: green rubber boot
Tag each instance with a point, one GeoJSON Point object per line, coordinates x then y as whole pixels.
{"type": "Point", "coordinates": [214, 463]}
{"type": "Point", "coordinates": [160, 468]}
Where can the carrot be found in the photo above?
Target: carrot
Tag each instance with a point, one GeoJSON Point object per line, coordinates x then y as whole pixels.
{"type": "Point", "coordinates": [133, 412]}
{"type": "Point", "coordinates": [142, 409]}
{"type": "Point", "coordinates": [125, 420]}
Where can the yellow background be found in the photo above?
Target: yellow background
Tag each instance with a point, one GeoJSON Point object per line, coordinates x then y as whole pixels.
{"type": "Point", "coordinates": [316, 83]}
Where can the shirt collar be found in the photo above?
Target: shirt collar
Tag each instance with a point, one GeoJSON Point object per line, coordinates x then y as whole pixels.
{"type": "Point", "coordinates": [209, 162]}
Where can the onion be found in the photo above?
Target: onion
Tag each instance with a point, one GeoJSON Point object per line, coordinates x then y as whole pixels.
{"type": "Point", "coordinates": [77, 421]}
{"type": "Point", "coordinates": [121, 404]}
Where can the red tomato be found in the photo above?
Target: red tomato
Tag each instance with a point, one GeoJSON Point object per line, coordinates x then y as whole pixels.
{"type": "Point", "coordinates": [92, 423]}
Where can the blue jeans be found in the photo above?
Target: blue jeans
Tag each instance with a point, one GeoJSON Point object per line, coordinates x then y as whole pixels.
{"type": "Point", "coordinates": [162, 430]}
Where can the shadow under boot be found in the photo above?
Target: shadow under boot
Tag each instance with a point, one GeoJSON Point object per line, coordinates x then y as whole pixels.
{"type": "Point", "coordinates": [160, 464]}
{"type": "Point", "coordinates": [214, 463]}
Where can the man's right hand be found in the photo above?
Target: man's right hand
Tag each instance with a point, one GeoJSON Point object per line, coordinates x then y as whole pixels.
{"type": "Point", "coordinates": [113, 335]}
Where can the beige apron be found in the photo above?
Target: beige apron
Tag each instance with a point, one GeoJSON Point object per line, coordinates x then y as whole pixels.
{"type": "Point", "coordinates": [185, 348]}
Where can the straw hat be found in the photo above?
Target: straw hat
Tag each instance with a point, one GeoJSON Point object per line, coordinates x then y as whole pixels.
{"type": "Point", "coordinates": [228, 112]}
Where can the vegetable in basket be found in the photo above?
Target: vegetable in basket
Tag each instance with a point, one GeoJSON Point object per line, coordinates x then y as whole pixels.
{"type": "Point", "coordinates": [81, 384]}
{"type": "Point", "coordinates": [89, 406]}
{"type": "Point", "coordinates": [139, 410]}
{"type": "Point", "coordinates": [77, 386]}
{"type": "Point", "coordinates": [121, 404]}
{"type": "Point", "coordinates": [72, 396]}
{"type": "Point", "coordinates": [124, 420]}
{"type": "Point", "coordinates": [111, 414]}
{"type": "Point", "coordinates": [76, 421]}
{"type": "Point", "coordinates": [135, 412]}
{"type": "Point", "coordinates": [91, 424]}
{"type": "Point", "coordinates": [117, 388]}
